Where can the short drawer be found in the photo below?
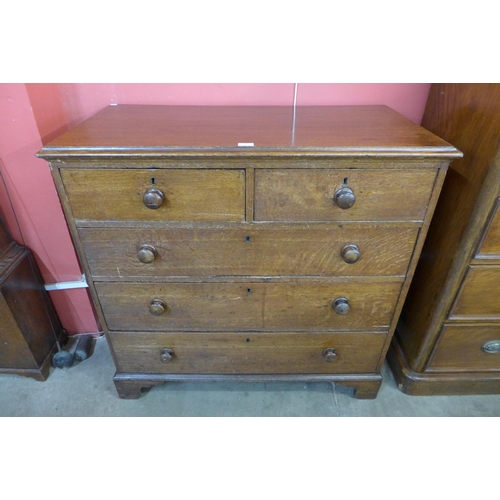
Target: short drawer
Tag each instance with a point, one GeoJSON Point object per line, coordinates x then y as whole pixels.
{"type": "Point", "coordinates": [300, 195]}
{"type": "Point", "coordinates": [249, 250]}
{"type": "Point", "coordinates": [467, 348]}
{"type": "Point", "coordinates": [479, 297]}
{"type": "Point", "coordinates": [251, 353]}
{"type": "Point", "coordinates": [188, 195]}
{"type": "Point", "coordinates": [250, 305]}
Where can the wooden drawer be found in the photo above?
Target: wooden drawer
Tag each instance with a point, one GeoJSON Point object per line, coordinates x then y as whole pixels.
{"type": "Point", "coordinates": [479, 297]}
{"type": "Point", "coordinates": [302, 195]}
{"type": "Point", "coordinates": [490, 246]}
{"type": "Point", "coordinates": [299, 305]}
{"type": "Point", "coordinates": [248, 250]}
{"type": "Point", "coordinates": [461, 349]}
{"type": "Point", "coordinates": [247, 352]}
{"type": "Point", "coordinates": [190, 195]}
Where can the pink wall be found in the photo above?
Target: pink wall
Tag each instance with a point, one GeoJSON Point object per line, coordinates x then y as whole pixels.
{"type": "Point", "coordinates": [33, 114]}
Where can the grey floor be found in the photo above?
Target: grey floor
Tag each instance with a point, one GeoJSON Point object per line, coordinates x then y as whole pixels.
{"type": "Point", "coordinates": [86, 389]}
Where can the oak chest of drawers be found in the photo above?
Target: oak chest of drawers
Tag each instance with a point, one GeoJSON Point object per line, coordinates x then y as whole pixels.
{"type": "Point", "coordinates": [248, 243]}
{"type": "Point", "coordinates": [454, 346]}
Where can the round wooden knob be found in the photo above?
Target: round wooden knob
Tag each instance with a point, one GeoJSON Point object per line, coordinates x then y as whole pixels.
{"type": "Point", "coordinates": [146, 254]}
{"type": "Point", "coordinates": [157, 307]}
{"type": "Point", "coordinates": [344, 198]}
{"type": "Point", "coordinates": [167, 355]}
{"type": "Point", "coordinates": [350, 253]}
{"type": "Point", "coordinates": [330, 354]}
{"type": "Point", "coordinates": [341, 306]}
{"type": "Point", "coordinates": [153, 198]}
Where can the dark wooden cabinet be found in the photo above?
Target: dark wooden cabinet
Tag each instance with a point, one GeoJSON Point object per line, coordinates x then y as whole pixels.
{"type": "Point", "coordinates": [448, 337]}
{"type": "Point", "coordinates": [28, 322]}
{"type": "Point", "coordinates": [248, 243]}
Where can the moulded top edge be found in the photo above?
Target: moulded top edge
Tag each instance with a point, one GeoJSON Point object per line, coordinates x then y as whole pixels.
{"type": "Point", "coordinates": [447, 152]}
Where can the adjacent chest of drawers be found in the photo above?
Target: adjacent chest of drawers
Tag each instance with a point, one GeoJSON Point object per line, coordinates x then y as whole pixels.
{"type": "Point", "coordinates": [29, 326]}
{"type": "Point", "coordinates": [248, 243]}
{"type": "Point", "coordinates": [448, 338]}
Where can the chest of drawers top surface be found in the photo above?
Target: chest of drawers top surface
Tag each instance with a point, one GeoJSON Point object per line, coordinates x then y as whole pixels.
{"type": "Point", "coordinates": [332, 130]}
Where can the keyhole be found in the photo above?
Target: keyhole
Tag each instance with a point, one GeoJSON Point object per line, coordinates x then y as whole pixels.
{"type": "Point", "coordinates": [248, 340]}
{"type": "Point", "coordinates": [346, 181]}
{"type": "Point", "coordinates": [249, 290]}
{"type": "Point", "coordinates": [153, 181]}
{"type": "Point", "coordinates": [247, 239]}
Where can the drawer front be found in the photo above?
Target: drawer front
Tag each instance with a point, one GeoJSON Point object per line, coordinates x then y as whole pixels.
{"type": "Point", "coordinates": [490, 246]}
{"type": "Point", "coordinates": [309, 194]}
{"type": "Point", "coordinates": [253, 353]}
{"type": "Point", "coordinates": [189, 195]}
{"type": "Point", "coordinates": [248, 251]}
{"type": "Point", "coordinates": [479, 297]}
{"type": "Point", "coordinates": [461, 349]}
{"type": "Point", "coordinates": [248, 306]}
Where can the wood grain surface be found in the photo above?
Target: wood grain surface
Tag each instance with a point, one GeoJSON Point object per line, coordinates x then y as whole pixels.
{"type": "Point", "coordinates": [292, 306]}
{"type": "Point", "coordinates": [479, 297]}
{"type": "Point", "coordinates": [276, 352]}
{"type": "Point", "coordinates": [468, 116]}
{"type": "Point", "coordinates": [309, 195]}
{"type": "Point", "coordinates": [156, 130]}
{"type": "Point", "coordinates": [249, 250]}
{"type": "Point", "coordinates": [248, 238]}
{"type": "Point", "coordinates": [490, 244]}
{"type": "Point", "coordinates": [190, 195]}
{"type": "Point", "coordinates": [28, 322]}
{"type": "Point", "coordinates": [460, 349]}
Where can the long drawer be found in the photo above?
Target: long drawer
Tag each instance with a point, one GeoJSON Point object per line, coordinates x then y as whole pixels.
{"type": "Point", "coordinates": [305, 305]}
{"type": "Point", "coordinates": [249, 250]}
{"type": "Point", "coordinates": [254, 353]}
{"type": "Point", "coordinates": [188, 195]}
{"type": "Point", "coordinates": [309, 195]}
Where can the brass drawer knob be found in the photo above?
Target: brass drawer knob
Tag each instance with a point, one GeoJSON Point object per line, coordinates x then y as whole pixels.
{"type": "Point", "coordinates": [344, 198]}
{"type": "Point", "coordinates": [157, 307]}
{"type": "Point", "coordinates": [350, 253]}
{"type": "Point", "coordinates": [492, 347]}
{"type": "Point", "coordinates": [341, 306]}
{"type": "Point", "coordinates": [167, 355]}
{"type": "Point", "coordinates": [330, 354]}
{"type": "Point", "coordinates": [147, 254]}
{"type": "Point", "coordinates": [153, 198]}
